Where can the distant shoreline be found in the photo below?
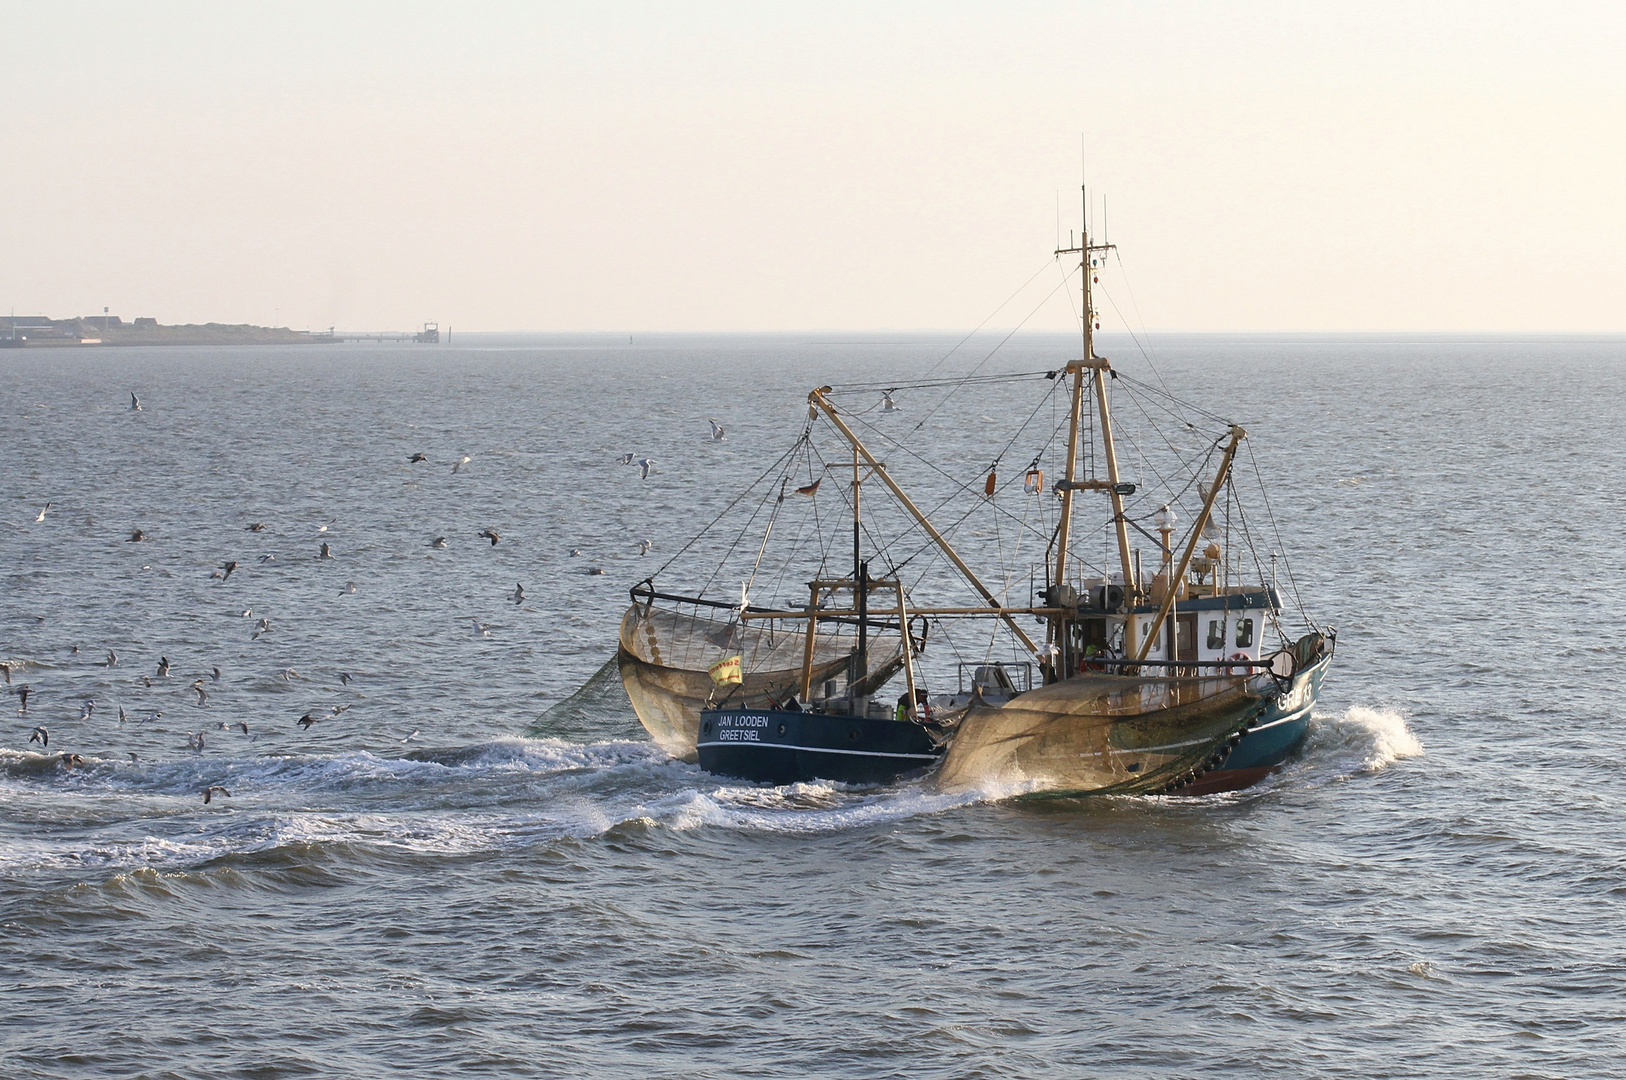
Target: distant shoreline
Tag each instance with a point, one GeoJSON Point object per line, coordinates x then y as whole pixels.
{"type": "Point", "coordinates": [42, 333]}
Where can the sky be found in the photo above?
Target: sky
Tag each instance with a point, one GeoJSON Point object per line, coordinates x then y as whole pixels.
{"type": "Point", "coordinates": [698, 166]}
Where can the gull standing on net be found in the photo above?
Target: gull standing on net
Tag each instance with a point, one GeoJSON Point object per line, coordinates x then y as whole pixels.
{"type": "Point", "coordinates": [716, 430]}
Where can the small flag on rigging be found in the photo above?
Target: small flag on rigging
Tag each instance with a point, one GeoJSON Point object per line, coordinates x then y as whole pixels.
{"type": "Point", "coordinates": [726, 672]}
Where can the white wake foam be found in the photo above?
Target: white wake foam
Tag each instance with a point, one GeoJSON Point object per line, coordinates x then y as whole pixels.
{"type": "Point", "coordinates": [1362, 739]}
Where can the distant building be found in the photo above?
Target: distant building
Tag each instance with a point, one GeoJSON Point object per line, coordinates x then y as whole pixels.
{"type": "Point", "coordinates": [102, 322]}
{"type": "Point", "coordinates": [145, 323]}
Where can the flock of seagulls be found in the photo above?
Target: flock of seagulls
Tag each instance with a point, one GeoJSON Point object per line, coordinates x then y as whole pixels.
{"type": "Point", "coordinates": [197, 741]}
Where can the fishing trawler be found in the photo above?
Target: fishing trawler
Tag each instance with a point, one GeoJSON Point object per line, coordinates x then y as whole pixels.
{"type": "Point", "coordinates": [1097, 679]}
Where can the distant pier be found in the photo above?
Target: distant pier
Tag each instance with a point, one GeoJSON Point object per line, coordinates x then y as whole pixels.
{"type": "Point", "coordinates": [429, 335]}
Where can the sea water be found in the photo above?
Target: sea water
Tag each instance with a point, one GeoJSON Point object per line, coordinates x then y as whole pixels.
{"type": "Point", "coordinates": [481, 865]}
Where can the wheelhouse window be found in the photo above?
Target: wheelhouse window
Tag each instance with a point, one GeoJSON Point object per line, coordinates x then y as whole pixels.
{"type": "Point", "coordinates": [1244, 633]}
{"type": "Point", "coordinates": [1216, 633]}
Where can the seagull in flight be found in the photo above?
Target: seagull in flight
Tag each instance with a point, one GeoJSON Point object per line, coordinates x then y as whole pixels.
{"type": "Point", "coordinates": [480, 628]}
{"type": "Point", "coordinates": [203, 695]}
{"type": "Point", "coordinates": [409, 738]}
{"type": "Point", "coordinates": [112, 659]}
{"type": "Point", "coordinates": [212, 790]}
{"type": "Point", "coordinates": [258, 526]}
{"type": "Point", "coordinates": [575, 553]}
{"type": "Point", "coordinates": [41, 515]}
{"type": "Point", "coordinates": [716, 430]}
{"type": "Point", "coordinates": [438, 542]}
{"type": "Point", "coordinates": [460, 462]}
{"type": "Point", "coordinates": [345, 677]}
{"type": "Point", "coordinates": [268, 558]}
{"type": "Point", "coordinates": [41, 736]}
{"type": "Point", "coordinates": [349, 587]}
{"type": "Point", "coordinates": [415, 458]}
{"type": "Point", "coordinates": [626, 459]}
{"type": "Point", "coordinates": [644, 546]}
{"type": "Point", "coordinates": [122, 717]}
{"type": "Point", "coordinates": [216, 674]}
{"type": "Point", "coordinates": [519, 593]}
{"type": "Point", "coordinates": [135, 402]}
{"type": "Point", "coordinates": [263, 628]}
{"type": "Point", "coordinates": [227, 567]}
{"type": "Point", "coordinates": [22, 693]}
{"type": "Point", "coordinates": [810, 489]}
{"type": "Point", "coordinates": [887, 404]}
{"type": "Point", "coordinates": [163, 667]}
{"type": "Point", "coordinates": [194, 739]}
{"type": "Point", "coordinates": [326, 552]}
{"type": "Point", "coordinates": [87, 708]}
{"type": "Point", "coordinates": [307, 720]}
{"type": "Point", "coordinates": [491, 534]}
{"type": "Point", "coordinates": [645, 466]}
{"type": "Point", "coordinates": [323, 528]}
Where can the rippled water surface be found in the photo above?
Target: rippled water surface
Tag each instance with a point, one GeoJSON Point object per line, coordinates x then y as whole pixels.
{"type": "Point", "coordinates": [1434, 886]}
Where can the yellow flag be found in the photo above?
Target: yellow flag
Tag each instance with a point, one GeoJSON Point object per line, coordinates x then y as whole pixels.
{"type": "Point", "coordinates": [726, 672]}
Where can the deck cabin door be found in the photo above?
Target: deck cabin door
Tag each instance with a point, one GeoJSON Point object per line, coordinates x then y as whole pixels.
{"type": "Point", "coordinates": [1185, 636]}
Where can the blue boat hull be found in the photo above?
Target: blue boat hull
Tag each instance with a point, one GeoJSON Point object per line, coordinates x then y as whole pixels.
{"type": "Point", "coordinates": [1269, 742]}
{"type": "Point", "coordinates": [775, 746]}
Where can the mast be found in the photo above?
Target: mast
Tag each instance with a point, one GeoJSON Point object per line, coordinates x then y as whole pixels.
{"type": "Point", "coordinates": [860, 586]}
{"type": "Point", "coordinates": [1100, 370]}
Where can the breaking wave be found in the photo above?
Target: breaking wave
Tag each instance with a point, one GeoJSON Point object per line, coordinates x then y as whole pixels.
{"type": "Point", "coordinates": [1361, 740]}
